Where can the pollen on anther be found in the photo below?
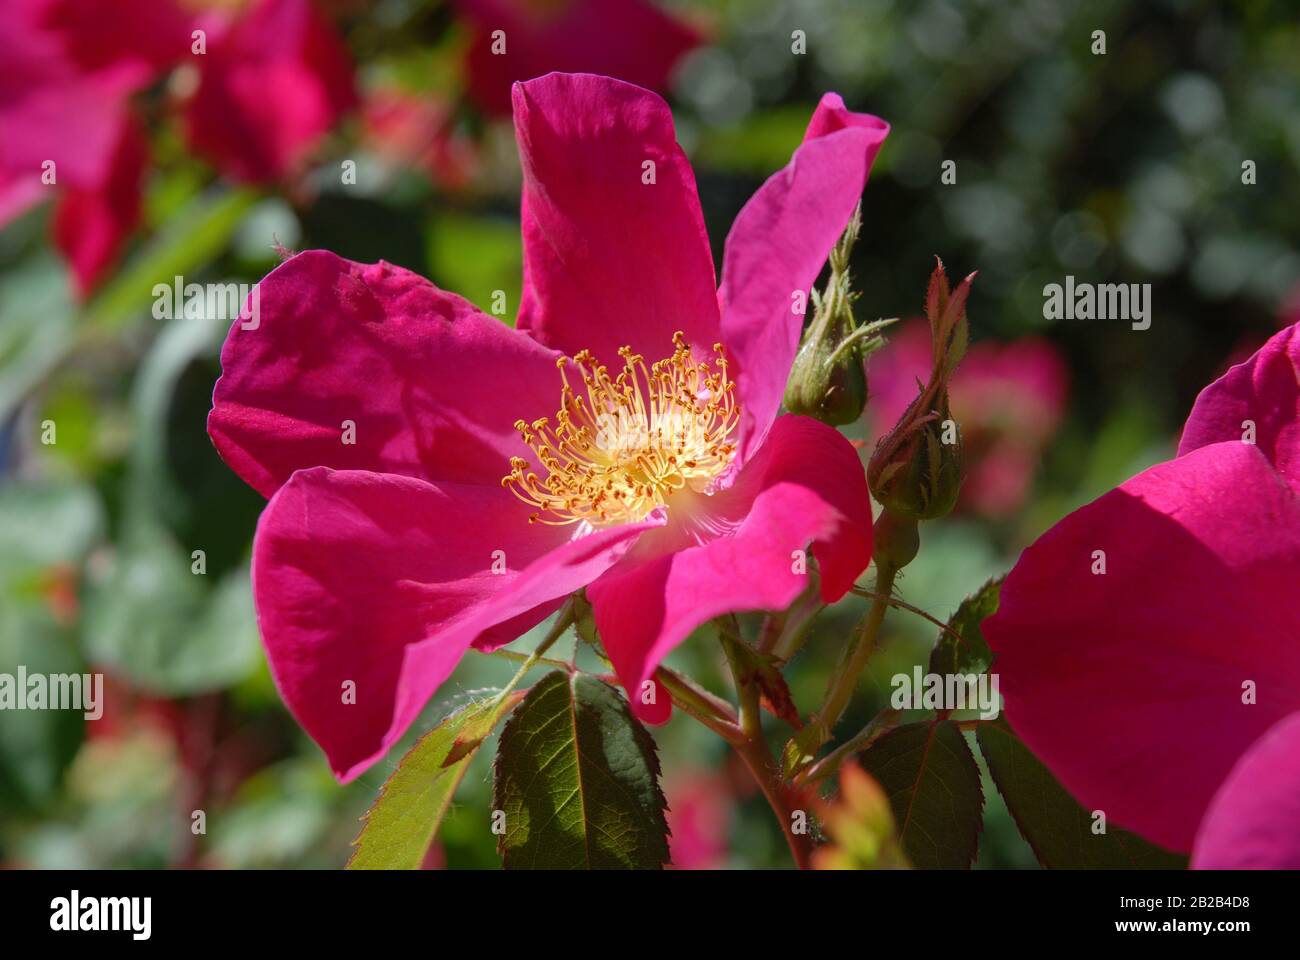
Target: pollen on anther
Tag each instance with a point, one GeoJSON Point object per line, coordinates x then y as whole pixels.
{"type": "Point", "coordinates": [633, 441]}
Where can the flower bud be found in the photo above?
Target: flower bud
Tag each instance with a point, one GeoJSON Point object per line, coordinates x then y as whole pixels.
{"type": "Point", "coordinates": [915, 471]}
{"type": "Point", "coordinates": [831, 389]}
{"type": "Point", "coordinates": [828, 380]}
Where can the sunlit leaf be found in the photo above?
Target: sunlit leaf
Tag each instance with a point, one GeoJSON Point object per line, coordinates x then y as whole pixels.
{"type": "Point", "coordinates": [970, 653]}
{"type": "Point", "coordinates": [933, 784]}
{"type": "Point", "coordinates": [577, 781]}
{"type": "Point", "coordinates": [415, 799]}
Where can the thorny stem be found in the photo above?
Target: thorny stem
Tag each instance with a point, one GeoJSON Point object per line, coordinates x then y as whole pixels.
{"type": "Point", "coordinates": [904, 605]}
{"type": "Point", "coordinates": [753, 749]}
{"type": "Point", "coordinates": [695, 701]}
{"type": "Point", "coordinates": [518, 657]}
{"type": "Point", "coordinates": [779, 797]}
{"type": "Point", "coordinates": [881, 724]}
{"type": "Point", "coordinates": [747, 691]}
{"type": "Point", "coordinates": [863, 644]}
{"type": "Point", "coordinates": [566, 619]}
{"type": "Point", "coordinates": [773, 627]}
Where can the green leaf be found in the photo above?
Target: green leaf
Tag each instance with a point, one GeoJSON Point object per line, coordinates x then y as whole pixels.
{"type": "Point", "coordinates": [933, 784]}
{"type": "Point", "coordinates": [1057, 827]}
{"type": "Point", "coordinates": [413, 802]}
{"type": "Point", "coordinates": [802, 749]}
{"type": "Point", "coordinates": [577, 778]}
{"type": "Point", "coordinates": [36, 746]}
{"type": "Point", "coordinates": [188, 242]}
{"type": "Point", "coordinates": [45, 531]}
{"type": "Point", "coordinates": [37, 328]}
{"type": "Point", "coordinates": [970, 654]}
{"type": "Point", "coordinates": [53, 524]}
{"type": "Point", "coordinates": [151, 488]}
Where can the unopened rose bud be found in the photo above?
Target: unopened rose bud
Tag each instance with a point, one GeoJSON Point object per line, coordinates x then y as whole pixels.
{"type": "Point", "coordinates": [828, 380]}
{"type": "Point", "coordinates": [916, 469]}
{"type": "Point", "coordinates": [831, 390]}
{"type": "Point", "coordinates": [919, 476]}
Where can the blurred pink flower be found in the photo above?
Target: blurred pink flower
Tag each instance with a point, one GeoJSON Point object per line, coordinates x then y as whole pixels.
{"type": "Point", "coordinates": [416, 131]}
{"type": "Point", "coordinates": [630, 40]}
{"type": "Point", "coordinates": [1147, 643]}
{"type": "Point", "coordinates": [66, 131]}
{"type": "Point", "coordinates": [381, 560]}
{"type": "Point", "coordinates": [1008, 399]}
{"type": "Point", "coordinates": [274, 79]}
{"type": "Point", "coordinates": [700, 810]}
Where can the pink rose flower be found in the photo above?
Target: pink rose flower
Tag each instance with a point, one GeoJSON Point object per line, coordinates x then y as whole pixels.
{"type": "Point", "coordinates": [273, 81]}
{"type": "Point", "coordinates": [623, 438]}
{"type": "Point", "coordinates": [1165, 691]}
{"type": "Point", "coordinates": [1008, 398]}
{"type": "Point", "coordinates": [419, 132]}
{"type": "Point", "coordinates": [632, 40]}
{"type": "Point", "coordinates": [701, 807]}
{"type": "Point", "coordinates": [67, 132]}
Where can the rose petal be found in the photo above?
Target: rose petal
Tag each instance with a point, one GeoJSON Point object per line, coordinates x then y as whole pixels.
{"type": "Point", "coordinates": [1265, 390]}
{"type": "Point", "coordinates": [1129, 685]}
{"type": "Point", "coordinates": [144, 35]}
{"type": "Point", "coordinates": [18, 193]}
{"type": "Point", "coordinates": [269, 89]}
{"type": "Point", "coordinates": [384, 582]}
{"type": "Point", "coordinates": [609, 260]}
{"type": "Point", "coordinates": [778, 245]}
{"type": "Point", "coordinates": [92, 224]}
{"type": "Point", "coordinates": [1253, 822]}
{"type": "Point", "coordinates": [433, 385]}
{"type": "Point", "coordinates": [52, 111]}
{"type": "Point", "coordinates": [737, 550]}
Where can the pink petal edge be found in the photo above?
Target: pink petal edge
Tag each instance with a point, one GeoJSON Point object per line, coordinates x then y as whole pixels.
{"type": "Point", "coordinates": [779, 244]}
{"type": "Point", "coordinates": [432, 385]}
{"type": "Point", "coordinates": [384, 582]}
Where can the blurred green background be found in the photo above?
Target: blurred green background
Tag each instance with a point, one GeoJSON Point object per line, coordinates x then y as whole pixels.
{"type": "Point", "coordinates": [1122, 168]}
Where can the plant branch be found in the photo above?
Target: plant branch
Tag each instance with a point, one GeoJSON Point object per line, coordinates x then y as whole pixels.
{"type": "Point", "coordinates": [773, 627]}
{"type": "Point", "coordinates": [753, 747]}
{"type": "Point", "coordinates": [904, 605]}
{"type": "Point", "coordinates": [518, 657]}
{"type": "Point", "coordinates": [780, 797]}
{"type": "Point", "coordinates": [695, 701]}
{"type": "Point", "coordinates": [881, 724]}
{"type": "Point", "coordinates": [566, 618]}
{"type": "Point", "coordinates": [845, 682]}
{"type": "Point", "coordinates": [798, 622]}
{"type": "Point", "coordinates": [748, 694]}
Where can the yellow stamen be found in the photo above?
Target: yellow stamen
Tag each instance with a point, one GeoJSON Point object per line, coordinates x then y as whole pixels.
{"type": "Point", "coordinates": [633, 441]}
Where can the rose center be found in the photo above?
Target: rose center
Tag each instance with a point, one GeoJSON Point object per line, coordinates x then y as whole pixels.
{"type": "Point", "coordinates": [635, 439]}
